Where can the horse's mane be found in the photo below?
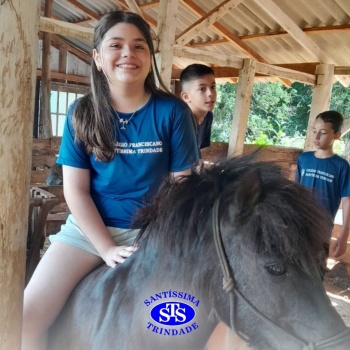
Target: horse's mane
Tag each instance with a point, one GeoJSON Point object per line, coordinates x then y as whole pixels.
{"type": "Point", "coordinates": [286, 220]}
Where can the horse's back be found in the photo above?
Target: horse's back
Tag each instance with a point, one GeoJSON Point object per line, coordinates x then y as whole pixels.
{"type": "Point", "coordinates": [107, 311]}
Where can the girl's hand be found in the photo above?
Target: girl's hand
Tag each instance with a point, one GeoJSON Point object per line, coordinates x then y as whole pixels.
{"type": "Point", "coordinates": [117, 254]}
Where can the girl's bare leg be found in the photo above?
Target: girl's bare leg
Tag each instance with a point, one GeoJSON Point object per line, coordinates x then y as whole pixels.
{"type": "Point", "coordinates": [58, 272]}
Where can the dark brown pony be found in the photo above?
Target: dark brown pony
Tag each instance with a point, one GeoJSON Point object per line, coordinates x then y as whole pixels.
{"type": "Point", "coordinates": [239, 219]}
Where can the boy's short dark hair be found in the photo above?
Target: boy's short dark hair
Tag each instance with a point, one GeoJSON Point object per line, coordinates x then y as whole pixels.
{"type": "Point", "coordinates": [195, 71]}
{"type": "Point", "coordinates": [333, 117]}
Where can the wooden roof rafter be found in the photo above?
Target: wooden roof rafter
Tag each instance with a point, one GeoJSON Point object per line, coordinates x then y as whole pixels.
{"type": "Point", "coordinates": [86, 20]}
{"type": "Point", "coordinates": [297, 34]}
{"type": "Point", "coordinates": [231, 37]}
{"type": "Point", "coordinates": [71, 78]}
{"type": "Point", "coordinates": [150, 4]}
{"type": "Point", "coordinates": [309, 30]}
{"type": "Point", "coordinates": [84, 33]}
{"type": "Point", "coordinates": [221, 30]}
{"type": "Point", "coordinates": [207, 43]}
{"type": "Point", "coordinates": [84, 9]}
{"type": "Point", "coordinates": [208, 19]}
{"type": "Point", "coordinates": [58, 41]}
{"type": "Point", "coordinates": [133, 6]}
{"type": "Point", "coordinates": [63, 28]}
{"type": "Point", "coordinates": [278, 34]}
{"type": "Point", "coordinates": [235, 62]}
{"type": "Point", "coordinates": [69, 29]}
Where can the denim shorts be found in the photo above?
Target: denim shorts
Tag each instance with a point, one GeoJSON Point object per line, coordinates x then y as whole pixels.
{"type": "Point", "coordinates": [71, 233]}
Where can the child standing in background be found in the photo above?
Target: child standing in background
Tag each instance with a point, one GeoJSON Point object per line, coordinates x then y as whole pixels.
{"type": "Point", "coordinates": [199, 92]}
{"type": "Point", "coordinates": [327, 174]}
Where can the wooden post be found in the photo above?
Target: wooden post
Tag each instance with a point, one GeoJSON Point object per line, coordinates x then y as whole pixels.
{"type": "Point", "coordinates": [62, 59]}
{"type": "Point", "coordinates": [242, 105]}
{"type": "Point", "coordinates": [45, 127]}
{"type": "Point", "coordinates": [320, 98]}
{"type": "Point", "coordinates": [166, 34]}
{"type": "Point", "coordinates": [18, 51]}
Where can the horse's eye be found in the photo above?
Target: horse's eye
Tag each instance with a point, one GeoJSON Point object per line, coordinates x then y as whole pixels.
{"type": "Point", "coordinates": [276, 269]}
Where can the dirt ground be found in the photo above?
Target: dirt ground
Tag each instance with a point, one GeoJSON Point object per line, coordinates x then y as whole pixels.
{"type": "Point", "coordinates": [337, 284]}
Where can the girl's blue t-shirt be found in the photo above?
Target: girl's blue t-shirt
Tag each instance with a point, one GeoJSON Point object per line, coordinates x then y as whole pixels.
{"type": "Point", "coordinates": [159, 139]}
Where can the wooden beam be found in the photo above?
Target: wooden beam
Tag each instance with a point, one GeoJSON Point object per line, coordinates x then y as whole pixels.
{"type": "Point", "coordinates": [241, 109]}
{"type": "Point", "coordinates": [54, 26]}
{"type": "Point", "coordinates": [45, 127]}
{"type": "Point", "coordinates": [123, 5]}
{"type": "Point", "coordinates": [346, 127]}
{"type": "Point", "coordinates": [166, 35]}
{"type": "Point", "coordinates": [18, 60]}
{"type": "Point", "coordinates": [210, 18]}
{"type": "Point", "coordinates": [62, 59]}
{"type": "Point", "coordinates": [221, 30]}
{"type": "Point", "coordinates": [229, 72]}
{"type": "Point", "coordinates": [208, 57]}
{"type": "Point", "coordinates": [310, 68]}
{"type": "Point", "coordinates": [268, 69]}
{"type": "Point", "coordinates": [207, 43]}
{"type": "Point", "coordinates": [341, 70]}
{"type": "Point", "coordinates": [134, 7]}
{"type": "Point", "coordinates": [273, 10]}
{"type": "Point", "coordinates": [278, 34]}
{"type": "Point", "coordinates": [59, 42]}
{"type": "Point", "coordinates": [310, 30]}
{"type": "Point", "coordinates": [231, 37]}
{"type": "Point", "coordinates": [148, 5]}
{"type": "Point", "coordinates": [86, 20]}
{"type": "Point", "coordinates": [219, 72]}
{"type": "Point", "coordinates": [307, 67]}
{"type": "Point", "coordinates": [320, 98]}
{"type": "Point", "coordinates": [81, 79]}
{"type": "Point", "coordinates": [226, 61]}
{"type": "Point", "coordinates": [84, 9]}
{"type": "Point", "coordinates": [292, 28]}
{"type": "Point", "coordinates": [341, 6]}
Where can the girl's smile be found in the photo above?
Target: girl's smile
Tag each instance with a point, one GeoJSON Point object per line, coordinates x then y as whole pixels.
{"type": "Point", "coordinates": [124, 55]}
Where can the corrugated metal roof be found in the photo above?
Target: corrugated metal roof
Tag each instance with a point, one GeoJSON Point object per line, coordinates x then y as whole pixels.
{"type": "Point", "coordinates": [325, 22]}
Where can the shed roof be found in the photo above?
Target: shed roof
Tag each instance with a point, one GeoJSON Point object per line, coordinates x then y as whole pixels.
{"type": "Point", "coordinates": [300, 33]}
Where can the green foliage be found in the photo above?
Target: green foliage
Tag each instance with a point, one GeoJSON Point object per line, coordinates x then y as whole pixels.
{"type": "Point", "coordinates": [340, 100]}
{"type": "Point", "coordinates": [225, 101]}
{"type": "Point", "coordinates": [278, 115]}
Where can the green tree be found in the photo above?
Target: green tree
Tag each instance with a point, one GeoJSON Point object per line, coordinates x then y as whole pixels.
{"type": "Point", "coordinates": [278, 115]}
{"type": "Point", "coordinates": [272, 112]}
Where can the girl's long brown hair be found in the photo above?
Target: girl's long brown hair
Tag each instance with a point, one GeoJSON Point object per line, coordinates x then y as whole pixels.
{"type": "Point", "coordinates": [93, 117]}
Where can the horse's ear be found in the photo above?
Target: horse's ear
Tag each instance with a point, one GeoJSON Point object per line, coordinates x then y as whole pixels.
{"type": "Point", "coordinates": [248, 194]}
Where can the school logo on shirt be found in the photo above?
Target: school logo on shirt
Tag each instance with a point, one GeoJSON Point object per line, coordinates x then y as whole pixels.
{"type": "Point", "coordinates": [174, 315]}
{"type": "Point", "coordinates": [318, 174]}
{"type": "Point", "coordinates": [138, 147]}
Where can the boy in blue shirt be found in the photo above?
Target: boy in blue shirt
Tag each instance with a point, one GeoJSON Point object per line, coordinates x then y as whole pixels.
{"type": "Point", "coordinates": [327, 174]}
{"type": "Point", "coordinates": [199, 92]}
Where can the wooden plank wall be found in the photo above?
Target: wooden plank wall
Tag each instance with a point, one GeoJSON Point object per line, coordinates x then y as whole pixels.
{"type": "Point", "coordinates": [284, 156]}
